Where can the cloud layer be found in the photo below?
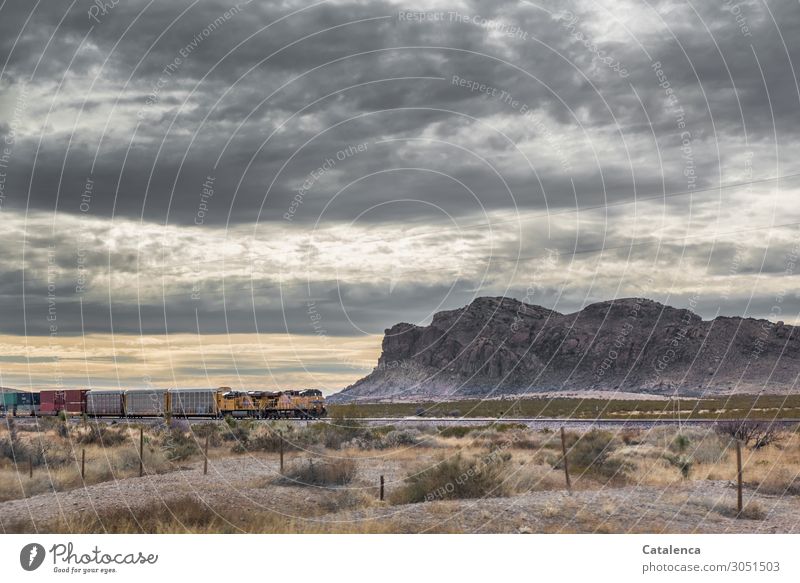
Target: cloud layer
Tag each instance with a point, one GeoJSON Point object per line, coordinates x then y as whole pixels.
{"type": "Point", "coordinates": [256, 168]}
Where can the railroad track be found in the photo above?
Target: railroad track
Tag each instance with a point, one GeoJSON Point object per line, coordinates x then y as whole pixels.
{"type": "Point", "coordinates": [532, 422]}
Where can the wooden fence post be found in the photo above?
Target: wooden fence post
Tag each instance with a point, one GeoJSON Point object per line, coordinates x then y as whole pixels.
{"type": "Point", "coordinates": [564, 454]}
{"type": "Point", "coordinates": [381, 488]}
{"type": "Point", "coordinates": [280, 435]}
{"type": "Point", "coordinates": [739, 476]}
{"type": "Point", "coordinates": [205, 463]}
{"type": "Point", "coordinates": [83, 464]}
{"type": "Point", "coordinates": [141, 452]}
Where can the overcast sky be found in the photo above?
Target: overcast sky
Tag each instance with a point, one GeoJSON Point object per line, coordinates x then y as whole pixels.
{"type": "Point", "coordinates": [202, 192]}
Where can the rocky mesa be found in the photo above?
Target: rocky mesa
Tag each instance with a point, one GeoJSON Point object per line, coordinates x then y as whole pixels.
{"type": "Point", "coordinates": [499, 346]}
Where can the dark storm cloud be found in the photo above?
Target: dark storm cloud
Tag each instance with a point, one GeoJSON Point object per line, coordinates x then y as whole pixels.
{"type": "Point", "coordinates": [574, 89]}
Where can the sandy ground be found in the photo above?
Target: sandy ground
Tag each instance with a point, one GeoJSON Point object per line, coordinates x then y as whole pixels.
{"type": "Point", "coordinates": [693, 506]}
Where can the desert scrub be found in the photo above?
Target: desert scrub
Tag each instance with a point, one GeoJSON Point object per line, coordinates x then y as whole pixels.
{"type": "Point", "coordinates": [178, 445]}
{"type": "Point", "coordinates": [210, 430]}
{"type": "Point", "coordinates": [102, 435]}
{"type": "Point", "coordinates": [592, 453]}
{"type": "Point", "coordinates": [455, 478]}
{"type": "Point", "coordinates": [320, 472]}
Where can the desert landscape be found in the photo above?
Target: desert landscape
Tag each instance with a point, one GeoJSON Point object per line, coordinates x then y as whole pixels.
{"type": "Point", "coordinates": [498, 477]}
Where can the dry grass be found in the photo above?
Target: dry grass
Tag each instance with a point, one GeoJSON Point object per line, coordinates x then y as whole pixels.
{"type": "Point", "coordinates": [320, 472]}
{"type": "Point", "coordinates": [102, 465]}
{"type": "Point", "coordinates": [189, 515]}
{"type": "Point", "coordinates": [111, 454]}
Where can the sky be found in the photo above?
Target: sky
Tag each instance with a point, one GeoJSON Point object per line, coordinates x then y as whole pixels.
{"type": "Point", "coordinates": [203, 193]}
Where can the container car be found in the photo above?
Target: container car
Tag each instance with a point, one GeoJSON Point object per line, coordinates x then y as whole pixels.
{"type": "Point", "coordinates": [73, 401]}
{"type": "Point", "coordinates": [19, 403]}
{"type": "Point", "coordinates": [8, 399]}
{"type": "Point", "coordinates": [146, 402]}
{"type": "Point", "coordinates": [105, 403]}
{"type": "Point", "coordinates": [193, 402]}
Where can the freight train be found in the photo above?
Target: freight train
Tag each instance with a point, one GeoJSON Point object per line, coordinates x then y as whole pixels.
{"type": "Point", "coordinates": [214, 403]}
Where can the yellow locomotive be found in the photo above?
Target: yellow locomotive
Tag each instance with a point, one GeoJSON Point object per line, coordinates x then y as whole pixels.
{"type": "Point", "coordinates": [307, 404]}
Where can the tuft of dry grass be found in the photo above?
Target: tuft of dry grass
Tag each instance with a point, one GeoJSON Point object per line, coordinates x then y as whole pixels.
{"type": "Point", "coordinates": [320, 472]}
{"type": "Point", "coordinates": [187, 514]}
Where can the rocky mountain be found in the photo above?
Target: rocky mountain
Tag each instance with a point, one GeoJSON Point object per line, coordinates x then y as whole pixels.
{"type": "Point", "coordinates": [500, 346]}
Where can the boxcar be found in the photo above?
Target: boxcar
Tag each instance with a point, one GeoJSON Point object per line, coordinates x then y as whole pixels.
{"type": "Point", "coordinates": [146, 402]}
{"type": "Point", "coordinates": [19, 403]}
{"type": "Point", "coordinates": [106, 403]}
{"type": "Point", "coordinates": [70, 400]}
{"type": "Point", "coordinates": [8, 399]}
{"type": "Point", "coordinates": [193, 402]}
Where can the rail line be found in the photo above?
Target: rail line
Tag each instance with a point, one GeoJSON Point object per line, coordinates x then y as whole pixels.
{"type": "Point", "coordinates": [531, 422]}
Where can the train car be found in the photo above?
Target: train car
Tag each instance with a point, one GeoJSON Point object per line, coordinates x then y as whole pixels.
{"type": "Point", "coordinates": [105, 403]}
{"type": "Point", "coordinates": [19, 403]}
{"type": "Point", "coordinates": [236, 403]}
{"type": "Point", "coordinates": [72, 401]}
{"type": "Point", "coordinates": [146, 402]}
{"type": "Point", "coordinates": [308, 404]}
{"type": "Point", "coordinates": [8, 399]}
{"type": "Point", "coordinates": [193, 402]}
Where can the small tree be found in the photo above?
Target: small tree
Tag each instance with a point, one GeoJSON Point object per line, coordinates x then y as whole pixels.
{"type": "Point", "coordinates": [753, 434]}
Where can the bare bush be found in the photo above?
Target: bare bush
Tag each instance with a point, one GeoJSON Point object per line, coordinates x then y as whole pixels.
{"type": "Point", "coordinates": [754, 434]}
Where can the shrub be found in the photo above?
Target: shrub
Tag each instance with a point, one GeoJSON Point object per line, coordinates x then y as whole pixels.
{"type": "Point", "coordinates": [454, 413]}
{"type": "Point", "coordinates": [680, 443]}
{"type": "Point", "coordinates": [455, 431]}
{"type": "Point", "coordinates": [179, 446]}
{"type": "Point", "coordinates": [683, 463]}
{"type": "Point", "coordinates": [631, 437]}
{"type": "Point", "coordinates": [101, 435]}
{"type": "Point", "coordinates": [238, 433]}
{"type": "Point", "coordinates": [401, 438]}
{"type": "Point", "coordinates": [269, 441]}
{"type": "Point", "coordinates": [310, 472]}
{"type": "Point", "coordinates": [591, 452]}
{"type": "Point", "coordinates": [455, 478]}
{"type": "Point", "coordinates": [755, 434]}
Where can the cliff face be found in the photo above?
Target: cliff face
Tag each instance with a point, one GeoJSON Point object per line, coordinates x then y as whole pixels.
{"type": "Point", "coordinates": [500, 346]}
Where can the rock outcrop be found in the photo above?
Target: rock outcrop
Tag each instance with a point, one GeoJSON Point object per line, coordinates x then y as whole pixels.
{"type": "Point", "coordinates": [500, 346]}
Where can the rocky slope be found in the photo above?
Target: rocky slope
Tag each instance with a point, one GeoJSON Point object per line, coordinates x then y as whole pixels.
{"type": "Point", "coordinates": [500, 346]}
